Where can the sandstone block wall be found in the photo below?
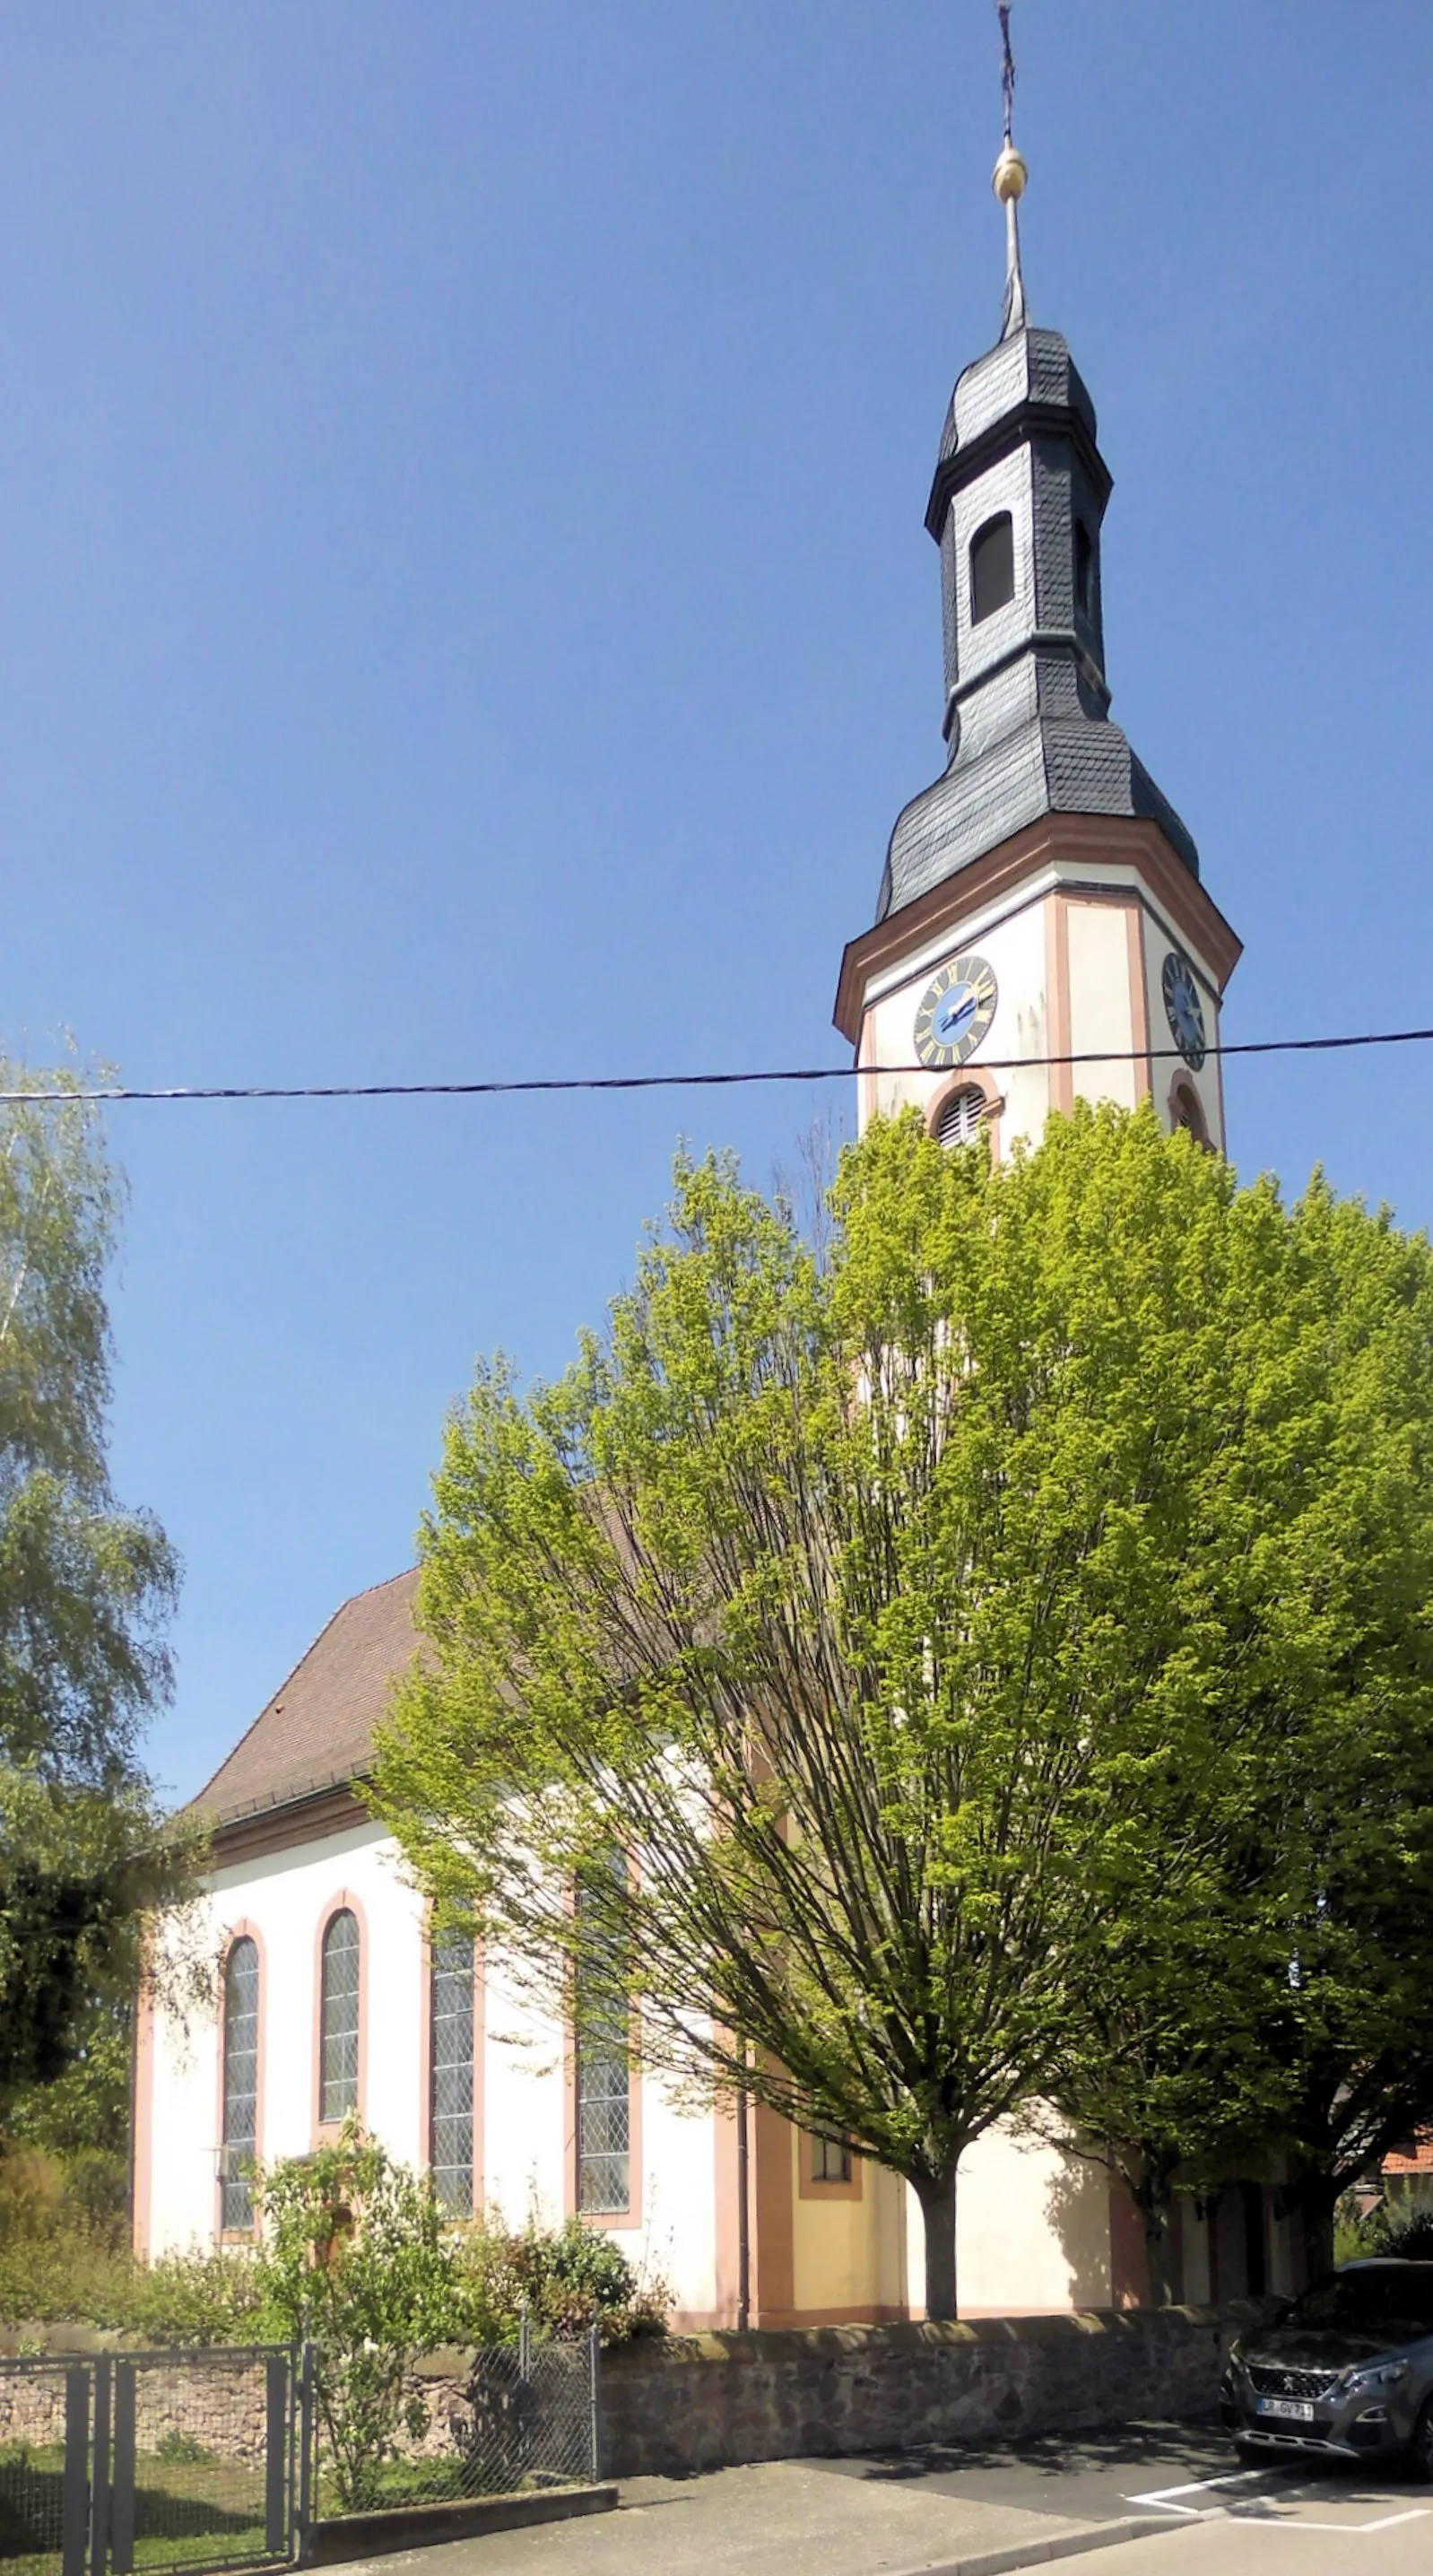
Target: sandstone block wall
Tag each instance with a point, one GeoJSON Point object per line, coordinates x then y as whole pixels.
{"type": "Point", "coordinates": [711, 2401]}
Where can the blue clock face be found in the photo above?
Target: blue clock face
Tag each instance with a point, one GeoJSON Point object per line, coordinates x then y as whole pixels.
{"type": "Point", "coordinates": [1184, 1009]}
{"type": "Point", "coordinates": [955, 1013]}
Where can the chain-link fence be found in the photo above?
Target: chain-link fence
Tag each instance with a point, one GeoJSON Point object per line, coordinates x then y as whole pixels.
{"type": "Point", "coordinates": [200, 2465]}
{"type": "Point", "coordinates": [44, 2468]}
{"type": "Point", "coordinates": [174, 2461]}
{"type": "Point", "coordinates": [491, 2422]}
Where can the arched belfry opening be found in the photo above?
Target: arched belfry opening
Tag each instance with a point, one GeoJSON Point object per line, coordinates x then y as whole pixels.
{"type": "Point", "coordinates": [992, 568]}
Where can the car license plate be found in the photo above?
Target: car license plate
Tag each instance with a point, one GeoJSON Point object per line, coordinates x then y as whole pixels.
{"type": "Point", "coordinates": [1293, 2410]}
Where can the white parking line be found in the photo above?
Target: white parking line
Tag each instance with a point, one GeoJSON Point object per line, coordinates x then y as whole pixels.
{"type": "Point", "coordinates": [1163, 2497]}
{"type": "Point", "coordinates": [1164, 2500]}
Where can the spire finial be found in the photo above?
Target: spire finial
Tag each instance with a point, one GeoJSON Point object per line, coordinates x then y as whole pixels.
{"type": "Point", "coordinates": [1009, 185]}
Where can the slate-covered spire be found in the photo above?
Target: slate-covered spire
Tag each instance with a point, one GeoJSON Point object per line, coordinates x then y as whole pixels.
{"type": "Point", "coordinates": [1017, 507]}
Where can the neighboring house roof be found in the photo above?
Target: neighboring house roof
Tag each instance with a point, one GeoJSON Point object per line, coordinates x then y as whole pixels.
{"type": "Point", "coordinates": [317, 1731]}
{"type": "Point", "coordinates": [1416, 2159]}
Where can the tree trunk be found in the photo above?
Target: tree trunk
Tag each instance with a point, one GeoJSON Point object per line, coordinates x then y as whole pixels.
{"type": "Point", "coordinates": [1317, 2197]}
{"type": "Point", "coordinates": [936, 2195]}
{"type": "Point", "coordinates": [1154, 2210]}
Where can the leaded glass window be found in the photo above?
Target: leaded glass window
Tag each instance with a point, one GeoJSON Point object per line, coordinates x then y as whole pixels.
{"type": "Point", "coordinates": [604, 2114]}
{"type": "Point", "coordinates": [450, 2006]}
{"type": "Point", "coordinates": [241, 2087]}
{"type": "Point", "coordinates": [338, 2019]}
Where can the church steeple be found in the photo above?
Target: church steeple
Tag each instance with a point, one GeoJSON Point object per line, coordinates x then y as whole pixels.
{"type": "Point", "coordinates": [1040, 903]}
{"type": "Point", "coordinates": [1016, 506]}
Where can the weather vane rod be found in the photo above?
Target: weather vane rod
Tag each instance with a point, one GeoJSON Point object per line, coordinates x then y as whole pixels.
{"type": "Point", "coordinates": [1009, 185]}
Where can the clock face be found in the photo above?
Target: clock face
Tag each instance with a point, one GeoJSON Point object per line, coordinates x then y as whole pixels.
{"type": "Point", "coordinates": [956, 1012]}
{"type": "Point", "coordinates": [1184, 1009]}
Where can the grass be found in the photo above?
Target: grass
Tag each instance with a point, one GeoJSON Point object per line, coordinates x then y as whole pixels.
{"type": "Point", "coordinates": [188, 2513]}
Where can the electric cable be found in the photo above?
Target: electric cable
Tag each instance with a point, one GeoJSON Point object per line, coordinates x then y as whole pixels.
{"type": "Point", "coordinates": [120, 1092]}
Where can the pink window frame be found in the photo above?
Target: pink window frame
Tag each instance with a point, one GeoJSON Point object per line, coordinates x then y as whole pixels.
{"type": "Point", "coordinates": [243, 1930]}
{"type": "Point", "coordinates": [345, 1902]}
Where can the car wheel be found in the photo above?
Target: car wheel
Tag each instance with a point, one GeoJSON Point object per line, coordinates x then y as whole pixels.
{"type": "Point", "coordinates": [1420, 2449]}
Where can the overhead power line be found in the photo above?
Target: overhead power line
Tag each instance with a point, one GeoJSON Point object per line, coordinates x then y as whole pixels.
{"type": "Point", "coordinates": [693, 1081]}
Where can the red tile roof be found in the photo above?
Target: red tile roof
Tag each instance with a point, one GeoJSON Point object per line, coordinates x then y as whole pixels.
{"type": "Point", "coordinates": [318, 1728]}
{"type": "Point", "coordinates": [1419, 2162]}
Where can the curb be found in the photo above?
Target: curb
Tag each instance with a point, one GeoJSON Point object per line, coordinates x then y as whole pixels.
{"type": "Point", "coordinates": [1056, 2544]}
{"type": "Point", "coordinates": [394, 2529]}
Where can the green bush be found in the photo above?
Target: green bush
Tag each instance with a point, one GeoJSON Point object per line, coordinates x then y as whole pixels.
{"type": "Point", "coordinates": [65, 2260]}
{"type": "Point", "coordinates": [1408, 2231]}
{"type": "Point", "coordinates": [566, 2281]}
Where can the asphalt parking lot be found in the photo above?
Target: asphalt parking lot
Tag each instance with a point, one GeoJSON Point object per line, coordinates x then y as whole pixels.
{"type": "Point", "coordinates": [893, 2514]}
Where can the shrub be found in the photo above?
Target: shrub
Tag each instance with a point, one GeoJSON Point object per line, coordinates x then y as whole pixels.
{"type": "Point", "coordinates": [1409, 2233]}
{"type": "Point", "coordinates": [355, 2257]}
{"type": "Point", "coordinates": [566, 2280]}
{"type": "Point", "coordinates": [64, 2259]}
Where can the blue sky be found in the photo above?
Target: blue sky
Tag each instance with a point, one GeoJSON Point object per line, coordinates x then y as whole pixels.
{"type": "Point", "coordinates": [465, 611]}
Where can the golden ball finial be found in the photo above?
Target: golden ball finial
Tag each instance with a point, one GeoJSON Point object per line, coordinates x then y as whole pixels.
{"type": "Point", "coordinates": [1011, 175]}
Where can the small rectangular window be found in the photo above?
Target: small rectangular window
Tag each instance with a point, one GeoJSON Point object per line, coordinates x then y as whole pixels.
{"type": "Point", "coordinates": [830, 2159]}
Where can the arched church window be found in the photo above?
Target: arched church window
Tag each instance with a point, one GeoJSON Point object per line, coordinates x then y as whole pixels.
{"type": "Point", "coordinates": [338, 2018]}
{"type": "Point", "coordinates": [1084, 567]}
{"type": "Point", "coordinates": [992, 568]}
{"type": "Point", "coordinates": [602, 2063]}
{"type": "Point", "coordinates": [450, 2109]}
{"type": "Point", "coordinates": [241, 2086]}
{"type": "Point", "coordinates": [962, 1117]}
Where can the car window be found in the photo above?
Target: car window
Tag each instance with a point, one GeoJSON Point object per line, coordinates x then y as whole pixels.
{"type": "Point", "coordinates": [1381, 2300]}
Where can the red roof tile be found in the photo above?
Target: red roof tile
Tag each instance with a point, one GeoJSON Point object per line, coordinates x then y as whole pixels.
{"type": "Point", "coordinates": [318, 1728]}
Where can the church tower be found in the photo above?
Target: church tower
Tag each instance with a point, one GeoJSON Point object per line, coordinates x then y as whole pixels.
{"type": "Point", "coordinates": [1042, 901]}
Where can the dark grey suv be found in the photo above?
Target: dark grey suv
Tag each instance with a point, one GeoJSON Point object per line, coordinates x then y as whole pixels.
{"type": "Point", "coordinates": [1347, 2369]}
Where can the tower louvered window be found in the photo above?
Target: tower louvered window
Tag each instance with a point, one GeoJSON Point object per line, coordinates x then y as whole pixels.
{"type": "Point", "coordinates": [241, 2086]}
{"type": "Point", "coordinates": [604, 2114]}
{"type": "Point", "coordinates": [450, 2146]}
{"type": "Point", "coordinates": [962, 1118]}
{"type": "Point", "coordinates": [992, 568]}
{"type": "Point", "coordinates": [338, 2019]}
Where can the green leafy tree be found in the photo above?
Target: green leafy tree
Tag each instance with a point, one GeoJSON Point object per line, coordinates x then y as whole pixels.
{"type": "Point", "coordinates": [1305, 2023]}
{"type": "Point", "coordinates": [86, 1588]}
{"type": "Point", "coordinates": [355, 2258]}
{"type": "Point", "coordinates": [890, 1611]}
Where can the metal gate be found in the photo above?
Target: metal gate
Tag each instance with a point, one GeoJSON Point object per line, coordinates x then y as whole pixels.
{"type": "Point", "coordinates": [181, 2460]}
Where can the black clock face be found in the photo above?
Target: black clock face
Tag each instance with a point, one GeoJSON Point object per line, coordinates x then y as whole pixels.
{"type": "Point", "coordinates": [956, 1012]}
{"type": "Point", "coordinates": [1183, 1008]}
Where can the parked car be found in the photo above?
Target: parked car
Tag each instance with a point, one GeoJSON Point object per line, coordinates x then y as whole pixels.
{"type": "Point", "coordinates": [1347, 2369]}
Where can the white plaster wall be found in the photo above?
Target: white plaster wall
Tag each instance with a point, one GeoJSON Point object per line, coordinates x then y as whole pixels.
{"type": "Point", "coordinates": [526, 2115]}
{"type": "Point", "coordinates": [283, 1897]}
{"type": "Point", "coordinates": [1157, 945]}
{"type": "Point", "coordinates": [677, 2237]}
{"type": "Point", "coordinates": [1015, 949]}
{"type": "Point", "coordinates": [1101, 1004]}
{"type": "Point", "coordinates": [1032, 2231]}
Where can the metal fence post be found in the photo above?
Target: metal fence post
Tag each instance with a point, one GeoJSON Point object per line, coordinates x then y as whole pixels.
{"type": "Point", "coordinates": [304, 2519]}
{"type": "Point", "coordinates": [99, 2470]}
{"type": "Point", "coordinates": [121, 2473]}
{"type": "Point", "coordinates": [276, 2454]}
{"type": "Point", "coordinates": [75, 2506]}
{"type": "Point", "coordinates": [524, 2344]}
{"type": "Point", "coordinates": [594, 2400]}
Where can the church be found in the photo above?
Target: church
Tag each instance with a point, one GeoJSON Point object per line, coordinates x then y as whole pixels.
{"type": "Point", "coordinates": [1042, 932]}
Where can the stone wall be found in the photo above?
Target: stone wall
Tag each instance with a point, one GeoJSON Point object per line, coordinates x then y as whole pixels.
{"type": "Point", "coordinates": [711, 2401]}
{"type": "Point", "coordinates": [218, 2407]}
